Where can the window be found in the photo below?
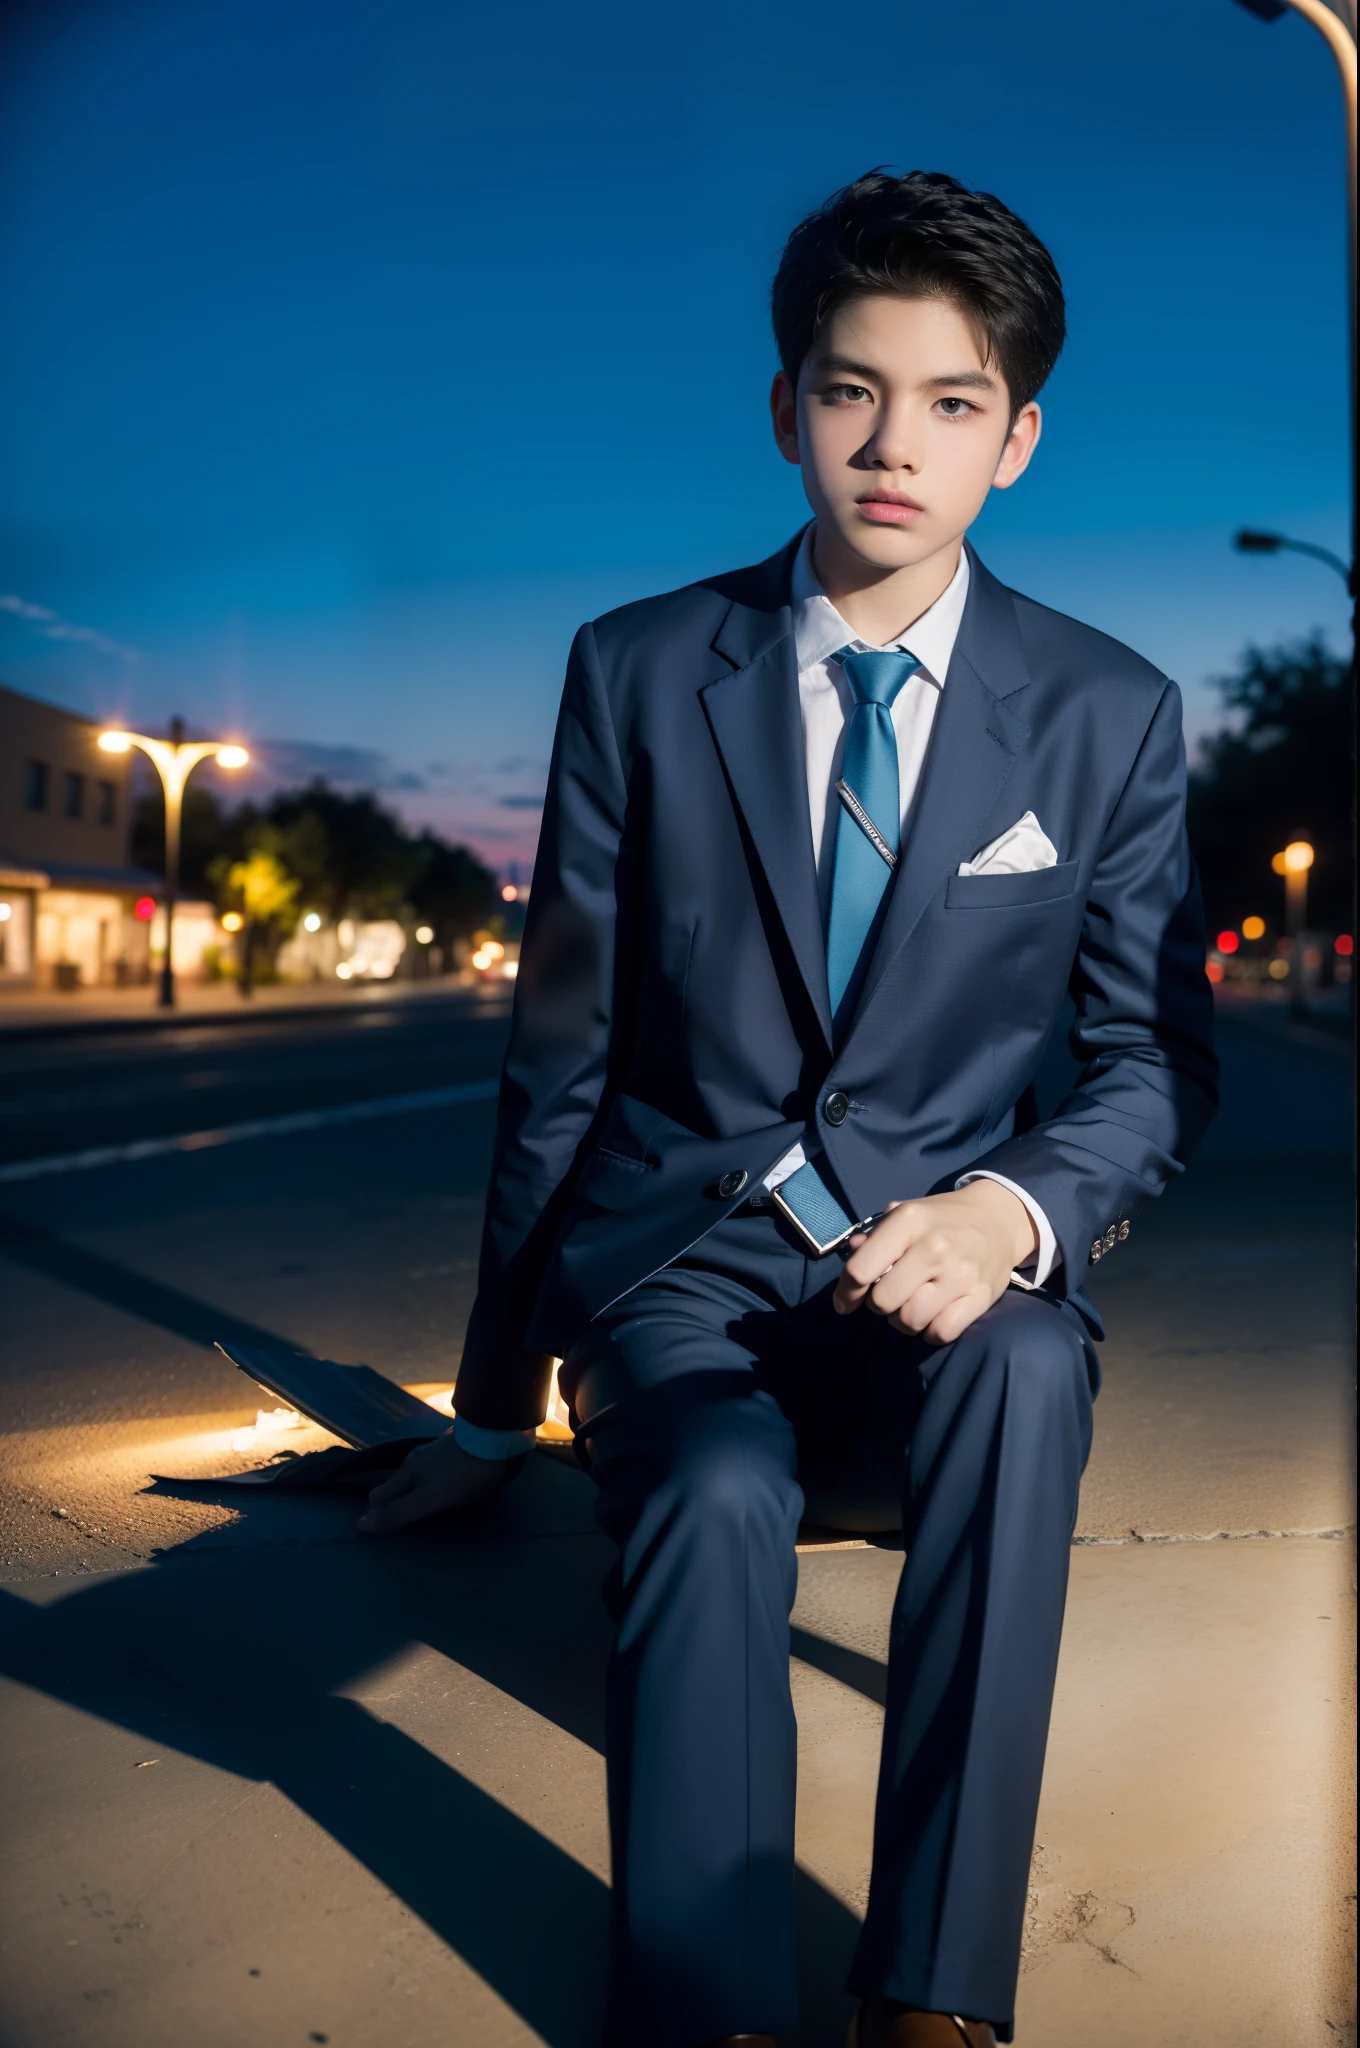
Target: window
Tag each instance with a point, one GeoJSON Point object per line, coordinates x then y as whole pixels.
{"type": "Point", "coordinates": [108, 803]}
{"type": "Point", "coordinates": [35, 785]}
{"type": "Point", "coordinates": [75, 796]}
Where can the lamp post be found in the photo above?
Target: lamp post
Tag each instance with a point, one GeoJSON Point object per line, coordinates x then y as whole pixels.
{"type": "Point", "coordinates": [1294, 864]}
{"type": "Point", "coordinates": [175, 759]}
{"type": "Point", "coordinates": [1248, 541]}
{"type": "Point", "coordinates": [1336, 26]}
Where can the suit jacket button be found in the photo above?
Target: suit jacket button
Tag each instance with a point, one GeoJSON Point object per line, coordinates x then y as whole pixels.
{"type": "Point", "coordinates": [1111, 1238]}
{"type": "Point", "coordinates": [836, 1108]}
{"type": "Point", "coordinates": [731, 1184]}
{"type": "Point", "coordinates": [1124, 1229]}
{"type": "Point", "coordinates": [1097, 1251]}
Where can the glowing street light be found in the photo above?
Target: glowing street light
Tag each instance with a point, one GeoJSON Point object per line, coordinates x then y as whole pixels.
{"type": "Point", "coordinates": [1294, 864]}
{"type": "Point", "coordinates": [175, 759]}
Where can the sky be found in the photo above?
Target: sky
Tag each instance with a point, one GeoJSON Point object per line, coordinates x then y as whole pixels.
{"type": "Point", "coordinates": [354, 353]}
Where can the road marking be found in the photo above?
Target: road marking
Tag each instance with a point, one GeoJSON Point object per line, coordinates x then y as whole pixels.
{"type": "Point", "coordinates": [257, 1127]}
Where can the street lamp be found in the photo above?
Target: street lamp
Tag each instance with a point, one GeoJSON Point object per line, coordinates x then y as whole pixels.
{"type": "Point", "coordinates": [175, 760]}
{"type": "Point", "coordinates": [1336, 26]}
{"type": "Point", "coordinates": [1294, 864]}
{"type": "Point", "coordinates": [1248, 541]}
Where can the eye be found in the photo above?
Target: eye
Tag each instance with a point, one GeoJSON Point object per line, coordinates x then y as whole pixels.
{"type": "Point", "coordinates": [845, 394]}
{"type": "Point", "coordinates": [955, 408]}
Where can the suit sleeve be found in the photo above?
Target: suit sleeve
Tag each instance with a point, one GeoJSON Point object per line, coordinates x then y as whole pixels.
{"type": "Point", "coordinates": [556, 1073]}
{"type": "Point", "coordinates": [1148, 1084]}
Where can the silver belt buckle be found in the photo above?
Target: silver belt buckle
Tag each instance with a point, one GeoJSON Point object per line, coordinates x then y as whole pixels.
{"type": "Point", "coordinates": [839, 1243]}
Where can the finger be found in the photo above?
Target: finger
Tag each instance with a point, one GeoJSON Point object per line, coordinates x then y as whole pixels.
{"type": "Point", "coordinates": [411, 1506]}
{"type": "Point", "coordinates": [884, 1244]}
{"type": "Point", "coordinates": [921, 1308]}
{"type": "Point", "coordinates": [929, 1259]}
{"type": "Point", "coordinates": [848, 1296]}
{"type": "Point", "coordinates": [956, 1317]}
{"type": "Point", "coordinates": [402, 1480]}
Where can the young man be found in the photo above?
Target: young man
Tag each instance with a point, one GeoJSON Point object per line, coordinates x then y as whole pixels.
{"type": "Point", "coordinates": [826, 843]}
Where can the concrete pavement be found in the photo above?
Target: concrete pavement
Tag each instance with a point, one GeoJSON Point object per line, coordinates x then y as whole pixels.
{"type": "Point", "coordinates": [269, 1783]}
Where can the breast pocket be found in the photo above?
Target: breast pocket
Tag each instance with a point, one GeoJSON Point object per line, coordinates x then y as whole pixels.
{"type": "Point", "coordinates": [612, 1180]}
{"type": "Point", "coordinates": [1008, 892]}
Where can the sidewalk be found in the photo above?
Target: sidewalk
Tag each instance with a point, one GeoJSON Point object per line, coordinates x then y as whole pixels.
{"type": "Point", "coordinates": [37, 1012]}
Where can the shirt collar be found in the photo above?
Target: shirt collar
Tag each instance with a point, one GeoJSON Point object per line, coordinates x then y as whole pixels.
{"type": "Point", "coordinates": [819, 630]}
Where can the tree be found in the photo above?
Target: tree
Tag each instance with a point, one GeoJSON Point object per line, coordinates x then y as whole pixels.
{"type": "Point", "coordinates": [264, 890]}
{"type": "Point", "coordinates": [345, 854]}
{"type": "Point", "coordinates": [368, 865]}
{"type": "Point", "coordinates": [1283, 771]}
{"type": "Point", "coordinates": [453, 891]}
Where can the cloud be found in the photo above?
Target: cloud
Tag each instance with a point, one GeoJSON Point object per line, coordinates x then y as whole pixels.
{"type": "Point", "coordinates": [53, 627]}
{"type": "Point", "coordinates": [298, 761]}
{"type": "Point", "coordinates": [520, 803]}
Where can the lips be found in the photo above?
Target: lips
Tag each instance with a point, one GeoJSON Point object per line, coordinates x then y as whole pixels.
{"type": "Point", "coordinates": [890, 508]}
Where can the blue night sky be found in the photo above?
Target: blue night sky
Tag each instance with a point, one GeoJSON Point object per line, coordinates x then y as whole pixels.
{"type": "Point", "coordinates": [354, 353]}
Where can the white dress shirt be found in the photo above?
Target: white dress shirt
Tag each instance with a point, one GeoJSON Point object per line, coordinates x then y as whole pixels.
{"type": "Point", "coordinates": [826, 702]}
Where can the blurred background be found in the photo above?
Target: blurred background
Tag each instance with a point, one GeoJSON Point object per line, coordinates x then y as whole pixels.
{"type": "Point", "coordinates": [355, 354]}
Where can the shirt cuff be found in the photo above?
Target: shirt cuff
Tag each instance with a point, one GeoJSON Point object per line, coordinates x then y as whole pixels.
{"type": "Point", "coordinates": [1046, 1258]}
{"type": "Point", "coordinates": [491, 1443]}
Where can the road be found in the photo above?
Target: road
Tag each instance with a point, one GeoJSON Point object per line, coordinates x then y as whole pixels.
{"type": "Point", "coordinates": [269, 1783]}
{"type": "Point", "coordinates": [107, 1084]}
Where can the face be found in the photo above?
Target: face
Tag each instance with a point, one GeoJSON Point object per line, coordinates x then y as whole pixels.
{"type": "Point", "coordinates": [900, 429]}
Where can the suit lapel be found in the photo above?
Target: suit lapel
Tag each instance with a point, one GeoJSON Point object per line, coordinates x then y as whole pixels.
{"type": "Point", "coordinates": [756, 722]}
{"type": "Point", "coordinates": [973, 747]}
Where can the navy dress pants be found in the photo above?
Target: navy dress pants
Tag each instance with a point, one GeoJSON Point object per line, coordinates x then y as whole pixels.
{"type": "Point", "coordinates": [716, 1405]}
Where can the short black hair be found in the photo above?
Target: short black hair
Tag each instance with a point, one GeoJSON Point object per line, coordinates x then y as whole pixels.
{"type": "Point", "coordinates": [924, 236]}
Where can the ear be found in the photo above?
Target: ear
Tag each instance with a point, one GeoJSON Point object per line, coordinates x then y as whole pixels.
{"type": "Point", "coordinates": [1021, 443]}
{"type": "Point", "coordinates": [784, 418]}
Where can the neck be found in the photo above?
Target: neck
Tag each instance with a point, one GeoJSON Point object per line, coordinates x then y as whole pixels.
{"type": "Point", "coordinates": [880, 603]}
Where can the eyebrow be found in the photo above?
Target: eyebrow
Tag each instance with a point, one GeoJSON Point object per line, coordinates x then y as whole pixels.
{"type": "Point", "coordinates": [971, 380]}
{"type": "Point", "coordinates": [968, 380]}
{"type": "Point", "coordinates": [848, 367]}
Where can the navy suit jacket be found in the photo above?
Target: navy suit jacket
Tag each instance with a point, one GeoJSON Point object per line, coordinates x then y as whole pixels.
{"type": "Point", "coordinates": [672, 1025]}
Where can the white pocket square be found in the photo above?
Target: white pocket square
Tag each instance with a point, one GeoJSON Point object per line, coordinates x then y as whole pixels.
{"type": "Point", "coordinates": [1025, 847]}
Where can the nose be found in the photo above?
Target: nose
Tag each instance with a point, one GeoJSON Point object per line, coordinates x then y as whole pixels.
{"type": "Point", "coordinates": [892, 445]}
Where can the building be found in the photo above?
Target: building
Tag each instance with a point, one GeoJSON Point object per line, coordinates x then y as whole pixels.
{"type": "Point", "coordinates": [74, 912]}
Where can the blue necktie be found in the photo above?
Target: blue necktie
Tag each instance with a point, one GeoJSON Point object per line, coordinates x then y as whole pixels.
{"type": "Point", "coordinates": [868, 837]}
{"type": "Point", "coordinates": [868, 830]}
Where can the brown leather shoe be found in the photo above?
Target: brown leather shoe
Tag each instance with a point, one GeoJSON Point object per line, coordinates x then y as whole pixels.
{"type": "Point", "coordinates": [920, 2030]}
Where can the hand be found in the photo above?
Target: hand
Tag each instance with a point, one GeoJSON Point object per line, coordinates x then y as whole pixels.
{"type": "Point", "coordinates": [437, 1478]}
{"type": "Point", "coordinates": [934, 1266]}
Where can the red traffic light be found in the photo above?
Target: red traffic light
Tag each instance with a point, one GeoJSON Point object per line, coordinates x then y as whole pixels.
{"type": "Point", "coordinates": [144, 909]}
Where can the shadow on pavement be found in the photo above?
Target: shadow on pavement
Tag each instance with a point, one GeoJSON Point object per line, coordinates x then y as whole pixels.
{"type": "Point", "coordinates": [240, 1657]}
{"type": "Point", "coordinates": [866, 1675]}
{"type": "Point", "coordinates": [58, 1258]}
